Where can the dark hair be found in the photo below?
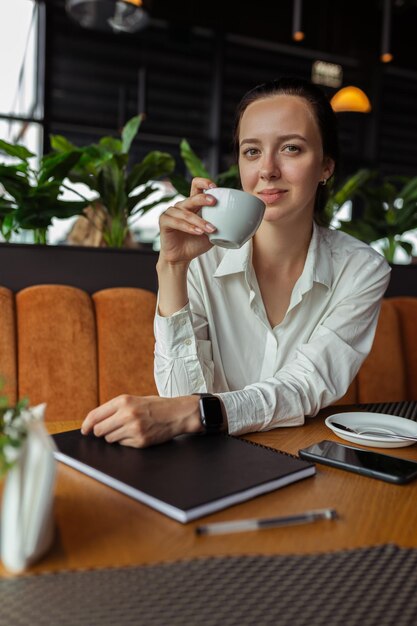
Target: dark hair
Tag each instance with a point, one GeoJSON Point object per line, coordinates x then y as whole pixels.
{"type": "Point", "coordinates": [323, 112]}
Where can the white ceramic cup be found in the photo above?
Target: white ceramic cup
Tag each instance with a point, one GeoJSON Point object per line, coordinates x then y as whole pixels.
{"type": "Point", "coordinates": [236, 216]}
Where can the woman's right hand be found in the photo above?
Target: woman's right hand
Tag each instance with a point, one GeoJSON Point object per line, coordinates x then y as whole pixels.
{"type": "Point", "coordinates": [183, 232]}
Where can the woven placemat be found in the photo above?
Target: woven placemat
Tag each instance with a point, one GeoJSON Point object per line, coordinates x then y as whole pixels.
{"type": "Point", "coordinates": [360, 587]}
{"type": "Point", "coordinates": [406, 408]}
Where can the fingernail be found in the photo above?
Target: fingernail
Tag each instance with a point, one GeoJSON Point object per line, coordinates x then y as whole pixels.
{"type": "Point", "coordinates": [212, 186]}
{"type": "Point", "coordinates": [198, 230]}
{"type": "Point", "coordinates": [210, 228]}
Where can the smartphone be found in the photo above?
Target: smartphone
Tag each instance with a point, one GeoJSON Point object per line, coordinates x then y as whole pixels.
{"type": "Point", "coordinates": [374, 464]}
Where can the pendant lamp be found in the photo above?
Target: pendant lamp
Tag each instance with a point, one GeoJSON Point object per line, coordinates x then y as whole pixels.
{"type": "Point", "coordinates": [386, 56]}
{"type": "Point", "coordinates": [350, 98]}
{"type": "Point", "coordinates": [297, 33]}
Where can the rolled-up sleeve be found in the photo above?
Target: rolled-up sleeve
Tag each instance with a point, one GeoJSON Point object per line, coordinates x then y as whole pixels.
{"type": "Point", "coordinates": [182, 363]}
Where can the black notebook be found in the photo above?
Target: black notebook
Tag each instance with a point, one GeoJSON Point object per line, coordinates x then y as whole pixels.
{"type": "Point", "coordinates": [188, 477]}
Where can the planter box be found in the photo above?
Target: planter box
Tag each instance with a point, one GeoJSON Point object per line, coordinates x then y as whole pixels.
{"type": "Point", "coordinates": [90, 269]}
{"type": "Point", "coordinates": [403, 281]}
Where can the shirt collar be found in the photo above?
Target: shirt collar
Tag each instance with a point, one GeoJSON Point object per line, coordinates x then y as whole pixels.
{"type": "Point", "coordinates": [321, 253]}
{"type": "Point", "coordinates": [317, 267]}
{"type": "Point", "coordinates": [235, 261]}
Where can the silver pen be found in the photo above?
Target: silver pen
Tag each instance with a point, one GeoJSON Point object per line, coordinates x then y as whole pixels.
{"type": "Point", "coordinates": [243, 525]}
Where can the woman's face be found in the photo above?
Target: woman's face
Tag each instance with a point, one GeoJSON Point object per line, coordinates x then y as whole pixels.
{"type": "Point", "coordinates": [281, 156]}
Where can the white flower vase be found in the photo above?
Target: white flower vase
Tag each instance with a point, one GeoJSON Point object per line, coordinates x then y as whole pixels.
{"type": "Point", "coordinates": [27, 517]}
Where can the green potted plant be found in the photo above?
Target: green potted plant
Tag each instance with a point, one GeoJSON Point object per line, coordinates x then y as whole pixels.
{"type": "Point", "coordinates": [31, 195]}
{"type": "Point", "coordinates": [121, 193]}
{"type": "Point", "coordinates": [347, 190]}
{"type": "Point", "coordinates": [384, 209]}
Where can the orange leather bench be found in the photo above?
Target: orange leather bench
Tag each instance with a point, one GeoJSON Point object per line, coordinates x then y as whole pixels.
{"type": "Point", "coordinates": [74, 351]}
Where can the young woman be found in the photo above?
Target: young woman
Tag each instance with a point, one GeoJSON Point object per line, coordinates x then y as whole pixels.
{"type": "Point", "coordinates": [277, 329]}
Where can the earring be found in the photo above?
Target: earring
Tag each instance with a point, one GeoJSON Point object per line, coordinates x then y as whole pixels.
{"type": "Point", "coordinates": [323, 182]}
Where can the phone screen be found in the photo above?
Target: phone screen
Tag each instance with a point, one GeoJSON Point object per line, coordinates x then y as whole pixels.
{"type": "Point", "coordinates": [366, 462]}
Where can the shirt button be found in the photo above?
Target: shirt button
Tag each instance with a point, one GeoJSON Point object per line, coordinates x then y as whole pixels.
{"type": "Point", "coordinates": [183, 323]}
{"type": "Point", "coordinates": [188, 342]}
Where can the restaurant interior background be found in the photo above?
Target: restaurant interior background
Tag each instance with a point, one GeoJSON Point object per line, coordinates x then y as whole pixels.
{"type": "Point", "coordinates": [188, 64]}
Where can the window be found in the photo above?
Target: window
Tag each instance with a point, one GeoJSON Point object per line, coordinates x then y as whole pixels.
{"type": "Point", "coordinates": [21, 110]}
{"type": "Point", "coordinates": [20, 106]}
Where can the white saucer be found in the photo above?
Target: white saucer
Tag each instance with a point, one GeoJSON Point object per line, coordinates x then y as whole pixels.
{"type": "Point", "coordinates": [359, 420]}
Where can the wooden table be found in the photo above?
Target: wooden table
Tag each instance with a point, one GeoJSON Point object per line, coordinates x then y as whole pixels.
{"type": "Point", "coordinates": [97, 526]}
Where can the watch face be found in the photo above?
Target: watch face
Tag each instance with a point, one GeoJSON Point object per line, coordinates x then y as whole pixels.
{"type": "Point", "coordinates": [211, 414]}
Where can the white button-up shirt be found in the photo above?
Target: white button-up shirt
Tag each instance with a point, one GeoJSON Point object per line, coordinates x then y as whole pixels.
{"type": "Point", "coordinates": [222, 342]}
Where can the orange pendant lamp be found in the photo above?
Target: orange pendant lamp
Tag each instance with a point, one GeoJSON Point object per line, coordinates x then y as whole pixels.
{"type": "Point", "coordinates": [352, 99]}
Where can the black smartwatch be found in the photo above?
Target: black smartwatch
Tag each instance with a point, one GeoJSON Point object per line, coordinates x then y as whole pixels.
{"type": "Point", "coordinates": [212, 413]}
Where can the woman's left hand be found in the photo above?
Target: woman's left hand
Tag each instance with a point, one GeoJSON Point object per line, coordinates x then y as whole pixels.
{"type": "Point", "coordinates": [141, 421]}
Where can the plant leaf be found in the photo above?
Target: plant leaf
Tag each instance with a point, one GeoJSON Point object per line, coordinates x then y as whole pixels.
{"type": "Point", "coordinates": [8, 226]}
{"type": "Point", "coordinates": [154, 166]}
{"type": "Point", "coordinates": [61, 144]}
{"type": "Point", "coordinates": [138, 212]}
{"type": "Point", "coordinates": [58, 165]}
{"type": "Point", "coordinates": [181, 184]}
{"type": "Point", "coordinates": [15, 150]}
{"type": "Point", "coordinates": [349, 188]}
{"type": "Point", "coordinates": [15, 182]}
{"type": "Point", "coordinates": [192, 162]}
{"type": "Point", "coordinates": [133, 201]}
{"type": "Point", "coordinates": [63, 209]}
{"type": "Point", "coordinates": [406, 246]}
{"type": "Point", "coordinates": [409, 192]}
{"type": "Point", "coordinates": [407, 216]}
{"type": "Point", "coordinates": [112, 145]}
{"type": "Point", "coordinates": [363, 231]}
{"type": "Point", "coordinates": [230, 178]}
{"type": "Point", "coordinates": [111, 187]}
{"type": "Point", "coordinates": [130, 131]}
{"type": "Point", "coordinates": [6, 207]}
